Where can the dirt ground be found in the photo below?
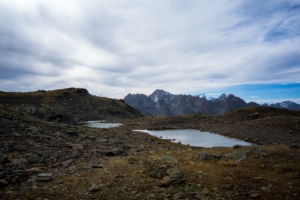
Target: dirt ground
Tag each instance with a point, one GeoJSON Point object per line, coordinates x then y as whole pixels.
{"type": "Point", "coordinates": [47, 160]}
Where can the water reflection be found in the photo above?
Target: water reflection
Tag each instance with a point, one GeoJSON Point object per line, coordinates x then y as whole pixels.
{"type": "Point", "coordinates": [99, 124]}
{"type": "Point", "coordinates": [196, 138]}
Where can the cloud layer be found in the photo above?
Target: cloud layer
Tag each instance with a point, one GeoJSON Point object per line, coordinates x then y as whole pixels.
{"type": "Point", "coordinates": [116, 47]}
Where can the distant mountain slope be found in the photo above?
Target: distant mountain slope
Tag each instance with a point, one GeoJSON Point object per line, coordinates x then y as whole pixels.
{"type": "Point", "coordinates": [161, 102]}
{"type": "Point", "coordinates": [68, 105]}
{"type": "Point", "coordinates": [287, 104]}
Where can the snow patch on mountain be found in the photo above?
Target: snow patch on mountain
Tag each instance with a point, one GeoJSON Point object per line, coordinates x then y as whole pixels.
{"type": "Point", "coordinates": [285, 104]}
{"type": "Point", "coordinates": [200, 96]}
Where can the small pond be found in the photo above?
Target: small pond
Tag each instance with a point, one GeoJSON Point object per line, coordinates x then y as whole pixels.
{"type": "Point", "coordinates": [196, 138]}
{"type": "Point", "coordinates": [99, 124]}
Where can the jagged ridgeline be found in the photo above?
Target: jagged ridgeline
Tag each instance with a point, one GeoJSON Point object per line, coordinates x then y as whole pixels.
{"type": "Point", "coordinates": [161, 102]}
{"type": "Point", "coordinates": [165, 103]}
{"type": "Point", "coordinates": [67, 105]}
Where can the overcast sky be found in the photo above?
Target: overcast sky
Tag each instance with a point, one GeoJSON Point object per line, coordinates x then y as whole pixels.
{"type": "Point", "coordinates": [247, 47]}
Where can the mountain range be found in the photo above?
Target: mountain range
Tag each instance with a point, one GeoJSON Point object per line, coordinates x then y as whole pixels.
{"type": "Point", "coordinates": [161, 102]}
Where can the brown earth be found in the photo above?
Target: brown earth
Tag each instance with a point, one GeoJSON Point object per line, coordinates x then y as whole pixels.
{"type": "Point", "coordinates": [51, 158]}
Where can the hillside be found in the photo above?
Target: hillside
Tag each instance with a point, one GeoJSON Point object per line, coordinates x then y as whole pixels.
{"type": "Point", "coordinates": [67, 105]}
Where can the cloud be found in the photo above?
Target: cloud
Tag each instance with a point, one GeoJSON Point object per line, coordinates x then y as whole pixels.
{"type": "Point", "coordinates": [116, 47]}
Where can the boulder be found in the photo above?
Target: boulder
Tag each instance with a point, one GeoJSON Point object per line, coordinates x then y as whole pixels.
{"type": "Point", "coordinates": [159, 173]}
{"type": "Point", "coordinates": [175, 178]}
{"type": "Point", "coordinates": [169, 161]}
{"type": "Point", "coordinates": [114, 152]}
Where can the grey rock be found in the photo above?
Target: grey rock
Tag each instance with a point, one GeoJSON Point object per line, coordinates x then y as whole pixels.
{"type": "Point", "coordinates": [254, 195]}
{"type": "Point", "coordinates": [205, 191]}
{"type": "Point", "coordinates": [175, 178]}
{"type": "Point", "coordinates": [115, 141]}
{"type": "Point", "coordinates": [114, 152]}
{"type": "Point", "coordinates": [102, 140]}
{"type": "Point", "coordinates": [237, 155]}
{"type": "Point", "coordinates": [205, 156]}
{"type": "Point", "coordinates": [169, 160]}
{"type": "Point", "coordinates": [159, 173]}
{"type": "Point", "coordinates": [45, 174]}
{"type": "Point", "coordinates": [94, 188]}
{"type": "Point", "coordinates": [19, 163]}
{"type": "Point", "coordinates": [67, 162]}
{"type": "Point", "coordinates": [265, 189]}
{"type": "Point", "coordinates": [179, 195]}
{"type": "Point", "coordinates": [177, 174]}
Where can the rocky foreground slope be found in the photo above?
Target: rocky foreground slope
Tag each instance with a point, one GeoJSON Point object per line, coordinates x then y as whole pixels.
{"type": "Point", "coordinates": [45, 159]}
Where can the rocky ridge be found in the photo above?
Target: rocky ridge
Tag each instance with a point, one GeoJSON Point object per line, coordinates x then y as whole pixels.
{"type": "Point", "coordinates": [161, 102]}
{"type": "Point", "coordinates": [67, 105]}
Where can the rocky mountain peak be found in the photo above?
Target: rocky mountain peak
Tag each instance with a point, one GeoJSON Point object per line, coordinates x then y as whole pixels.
{"type": "Point", "coordinates": [222, 97]}
{"type": "Point", "coordinates": [158, 94]}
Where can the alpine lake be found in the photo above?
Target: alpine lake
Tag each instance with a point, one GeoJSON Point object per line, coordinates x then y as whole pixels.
{"type": "Point", "coordinates": [190, 137]}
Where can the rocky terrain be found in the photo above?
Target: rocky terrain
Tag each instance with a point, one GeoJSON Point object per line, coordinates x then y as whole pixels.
{"type": "Point", "coordinates": [44, 157]}
{"type": "Point", "coordinates": [164, 103]}
{"type": "Point", "coordinates": [67, 105]}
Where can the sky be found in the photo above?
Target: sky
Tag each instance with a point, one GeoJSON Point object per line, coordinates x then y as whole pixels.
{"type": "Point", "coordinates": [112, 48]}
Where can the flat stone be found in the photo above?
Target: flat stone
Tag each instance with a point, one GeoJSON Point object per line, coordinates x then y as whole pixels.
{"type": "Point", "coordinates": [45, 174]}
{"type": "Point", "coordinates": [94, 188]}
{"type": "Point", "coordinates": [265, 189]}
{"type": "Point", "coordinates": [254, 195]}
{"type": "Point", "coordinates": [102, 141]}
